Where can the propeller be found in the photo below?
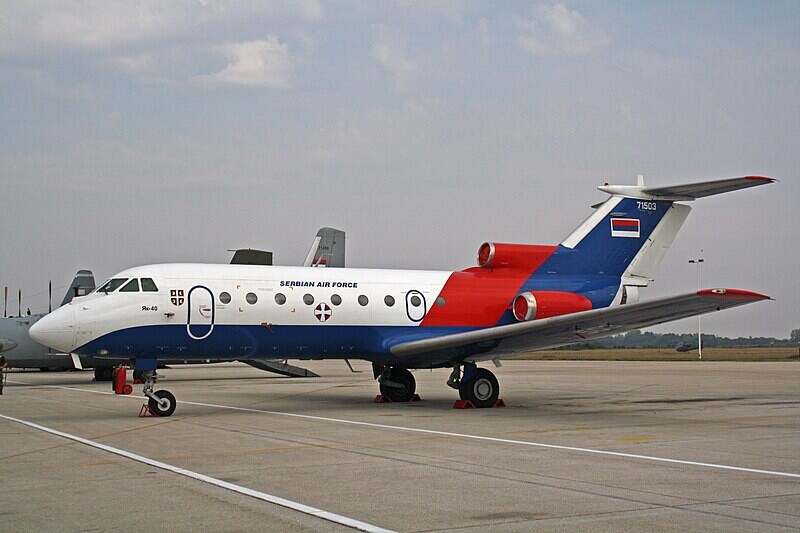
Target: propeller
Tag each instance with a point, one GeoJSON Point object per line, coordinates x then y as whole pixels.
{"type": "Point", "coordinates": [5, 304]}
{"type": "Point", "coordinates": [50, 297]}
{"type": "Point", "coordinates": [19, 303]}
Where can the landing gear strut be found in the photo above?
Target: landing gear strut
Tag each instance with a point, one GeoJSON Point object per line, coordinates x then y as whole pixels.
{"type": "Point", "coordinates": [477, 385]}
{"type": "Point", "coordinates": [161, 402]}
{"type": "Point", "coordinates": [397, 384]}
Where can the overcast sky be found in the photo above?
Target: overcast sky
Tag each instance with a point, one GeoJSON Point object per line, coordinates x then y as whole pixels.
{"type": "Point", "coordinates": [160, 131]}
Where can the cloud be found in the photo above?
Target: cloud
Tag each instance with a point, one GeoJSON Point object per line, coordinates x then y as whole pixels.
{"type": "Point", "coordinates": [389, 51]}
{"type": "Point", "coordinates": [559, 31]}
{"type": "Point", "coordinates": [103, 23]}
{"type": "Point", "coordinates": [261, 63]}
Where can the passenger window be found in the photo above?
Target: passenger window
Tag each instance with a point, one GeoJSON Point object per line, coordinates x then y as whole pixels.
{"type": "Point", "coordinates": [225, 297]}
{"type": "Point", "coordinates": [112, 285]}
{"type": "Point", "coordinates": [336, 299]}
{"type": "Point", "coordinates": [308, 299]}
{"type": "Point", "coordinates": [280, 299]}
{"type": "Point", "coordinates": [388, 300]}
{"type": "Point", "coordinates": [440, 301]}
{"type": "Point", "coordinates": [148, 285]}
{"type": "Point", "coordinates": [251, 298]}
{"type": "Point", "coordinates": [415, 301]}
{"type": "Point", "coordinates": [131, 286]}
{"type": "Point", "coordinates": [363, 300]}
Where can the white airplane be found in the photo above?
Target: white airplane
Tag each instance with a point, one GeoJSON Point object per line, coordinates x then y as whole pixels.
{"type": "Point", "coordinates": [518, 299]}
{"type": "Point", "coordinates": [327, 249]}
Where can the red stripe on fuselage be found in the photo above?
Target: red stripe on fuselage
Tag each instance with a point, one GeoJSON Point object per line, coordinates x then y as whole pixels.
{"type": "Point", "coordinates": [478, 297]}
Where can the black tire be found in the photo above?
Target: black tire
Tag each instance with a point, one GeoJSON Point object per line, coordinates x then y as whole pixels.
{"type": "Point", "coordinates": [405, 392]}
{"type": "Point", "coordinates": [156, 407]}
{"type": "Point", "coordinates": [137, 375]}
{"type": "Point", "coordinates": [103, 374]}
{"type": "Point", "coordinates": [482, 389]}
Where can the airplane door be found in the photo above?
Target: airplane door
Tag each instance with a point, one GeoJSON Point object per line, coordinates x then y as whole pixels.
{"type": "Point", "coordinates": [416, 307]}
{"type": "Point", "coordinates": [200, 322]}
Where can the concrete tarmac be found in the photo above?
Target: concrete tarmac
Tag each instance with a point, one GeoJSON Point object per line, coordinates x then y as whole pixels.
{"type": "Point", "coordinates": [581, 446]}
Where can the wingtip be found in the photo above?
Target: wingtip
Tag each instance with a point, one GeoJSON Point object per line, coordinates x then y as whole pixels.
{"type": "Point", "coordinates": [765, 179]}
{"type": "Point", "coordinates": [733, 294]}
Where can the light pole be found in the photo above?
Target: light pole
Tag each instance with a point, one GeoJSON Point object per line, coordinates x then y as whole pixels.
{"type": "Point", "coordinates": [699, 263]}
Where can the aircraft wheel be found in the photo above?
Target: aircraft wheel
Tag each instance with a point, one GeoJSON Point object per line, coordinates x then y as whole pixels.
{"type": "Point", "coordinates": [406, 389]}
{"type": "Point", "coordinates": [138, 376]}
{"type": "Point", "coordinates": [482, 389]}
{"type": "Point", "coordinates": [156, 406]}
{"type": "Point", "coordinates": [103, 374]}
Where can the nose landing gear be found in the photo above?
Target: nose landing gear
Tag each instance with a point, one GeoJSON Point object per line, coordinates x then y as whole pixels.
{"type": "Point", "coordinates": [161, 402]}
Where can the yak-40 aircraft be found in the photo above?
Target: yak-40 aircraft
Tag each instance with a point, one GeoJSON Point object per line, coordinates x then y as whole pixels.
{"type": "Point", "coordinates": [518, 299]}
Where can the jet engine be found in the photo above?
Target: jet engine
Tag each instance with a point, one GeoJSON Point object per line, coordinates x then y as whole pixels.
{"type": "Point", "coordinates": [512, 256]}
{"type": "Point", "coordinates": [535, 305]}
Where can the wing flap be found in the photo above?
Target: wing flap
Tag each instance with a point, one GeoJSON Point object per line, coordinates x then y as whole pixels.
{"type": "Point", "coordinates": [513, 339]}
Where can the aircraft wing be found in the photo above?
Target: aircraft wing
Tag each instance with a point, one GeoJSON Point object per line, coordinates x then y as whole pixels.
{"type": "Point", "coordinates": [522, 337]}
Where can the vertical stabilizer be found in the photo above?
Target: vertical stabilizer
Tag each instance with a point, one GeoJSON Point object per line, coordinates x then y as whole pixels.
{"type": "Point", "coordinates": [327, 250]}
{"type": "Point", "coordinates": [627, 236]}
{"type": "Point", "coordinates": [82, 285]}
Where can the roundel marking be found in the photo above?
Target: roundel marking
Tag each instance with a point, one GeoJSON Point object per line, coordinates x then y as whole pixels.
{"type": "Point", "coordinates": [323, 312]}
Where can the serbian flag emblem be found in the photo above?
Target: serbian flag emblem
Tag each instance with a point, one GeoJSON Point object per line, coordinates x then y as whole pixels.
{"type": "Point", "coordinates": [625, 227]}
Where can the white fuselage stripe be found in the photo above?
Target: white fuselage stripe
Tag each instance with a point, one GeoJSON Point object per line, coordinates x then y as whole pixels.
{"type": "Point", "coordinates": [325, 515]}
{"type": "Point", "coordinates": [474, 437]}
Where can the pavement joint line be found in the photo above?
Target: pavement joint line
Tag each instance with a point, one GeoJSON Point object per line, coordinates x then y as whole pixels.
{"type": "Point", "coordinates": [289, 504]}
{"type": "Point", "coordinates": [468, 436]}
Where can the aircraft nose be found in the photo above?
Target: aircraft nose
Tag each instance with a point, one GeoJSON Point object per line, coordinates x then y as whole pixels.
{"type": "Point", "coordinates": [56, 330]}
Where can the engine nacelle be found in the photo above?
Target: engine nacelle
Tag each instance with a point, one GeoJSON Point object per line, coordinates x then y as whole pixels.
{"type": "Point", "coordinates": [536, 305]}
{"type": "Point", "coordinates": [503, 255]}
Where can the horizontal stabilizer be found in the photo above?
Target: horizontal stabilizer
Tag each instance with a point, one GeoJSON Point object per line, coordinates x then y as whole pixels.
{"type": "Point", "coordinates": [562, 330]}
{"type": "Point", "coordinates": [250, 256]}
{"type": "Point", "coordinates": [689, 191]}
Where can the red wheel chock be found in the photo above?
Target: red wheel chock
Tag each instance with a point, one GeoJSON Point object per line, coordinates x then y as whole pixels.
{"type": "Point", "coordinates": [466, 404]}
{"type": "Point", "coordinates": [145, 411]}
{"type": "Point", "coordinates": [380, 398]}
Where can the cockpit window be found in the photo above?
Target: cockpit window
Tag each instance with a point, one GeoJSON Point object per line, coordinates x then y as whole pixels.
{"type": "Point", "coordinates": [148, 285]}
{"type": "Point", "coordinates": [112, 285]}
{"type": "Point", "coordinates": [131, 286]}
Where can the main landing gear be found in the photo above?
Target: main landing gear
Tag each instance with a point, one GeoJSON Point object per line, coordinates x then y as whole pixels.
{"type": "Point", "coordinates": [477, 385]}
{"type": "Point", "coordinates": [103, 373]}
{"type": "Point", "coordinates": [396, 384]}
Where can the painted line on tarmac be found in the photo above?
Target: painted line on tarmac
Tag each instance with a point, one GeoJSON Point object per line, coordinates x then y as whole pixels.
{"type": "Point", "coordinates": [305, 509]}
{"type": "Point", "coordinates": [468, 436]}
{"type": "Point", "coordinates": [503, 441]}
